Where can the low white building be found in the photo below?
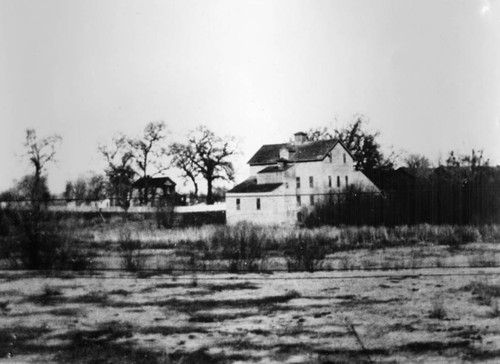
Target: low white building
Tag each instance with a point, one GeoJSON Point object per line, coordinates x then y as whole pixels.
{"type": "Point", "coordinates": [287, 179]}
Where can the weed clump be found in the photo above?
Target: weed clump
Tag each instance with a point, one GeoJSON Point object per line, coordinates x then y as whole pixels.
{"type": "Point", "coordinates": [306, 250]}
{"type": "Point", "coordinates": [484, 293]}
{"type": "Point", "coordinates": [438, 310]}
{"type": "Point", "coordinates": [243, 245]}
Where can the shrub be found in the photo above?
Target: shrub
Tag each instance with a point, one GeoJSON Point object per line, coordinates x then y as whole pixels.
{"type": "Point", "coordinates": [468, 234]}
{"type": "Point", "coordinates": [438, 310]}
{"type": "Point", "coordinates": [490, 233]}
{"type": "Point", "coordinates": [482, 260]}
{"type": "Point", "coordinates": [345, 262]}
{"type": "Point", "coordinates": [306, 250]}
{"type": "Point", "coordinates": [32, 241]}
{"type": "Point", "coordinates": [485, 293]}
{"type": "Point", "coordinates": [243, 245]}
{"type": "Point", "coordinates": [132, 259]}
{"type": "Point", "coordinates": [495, 309]}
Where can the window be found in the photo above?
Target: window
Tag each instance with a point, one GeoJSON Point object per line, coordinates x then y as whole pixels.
{"type": "Point", "coordinates": [298, 182]}
{"type": "Point", "coordinates": [311, 182]}
{"type": "Point", "coordinates": [338, 181]}
{"type": "Point", "coordinates": [258, 204]}
{"type": "Point", "coordinates": [238, 205]}
{"type": "Point", "coordinates": [311, 199]}
{"type": "Point", "coordinates": [346, 181]}
{"type": "Point", "coordinates": [298, 201]}
{"type": "Point", "coordinates": [345, 159]}
{"type": "Point", "coordinates": [329, 181]}
{"type": "Point", "coordinates": [286, 185]}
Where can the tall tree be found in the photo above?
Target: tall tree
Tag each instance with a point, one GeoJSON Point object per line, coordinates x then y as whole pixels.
{"type": "Point", "coordinates": [34, 244]}
{"type": "Point", "coordinates": [40, 152]}
{"type": "Point", "coordinates": [209, 155]}
{"type": "Point", "coordinates": [361, 143]}
{"type": "Point", "coordinates": [182, 157]}
{"type": "Point", "coordinates": [118, 156]}
{"type": "Point", "coordinates": [147, 151]}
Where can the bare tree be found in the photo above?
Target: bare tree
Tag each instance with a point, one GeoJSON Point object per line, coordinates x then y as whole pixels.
{"type": "Point", "coordinates": [119, 157]}
{"type": "Point", "coordinates": [148, 151]}
{"type": "Point", "coordinates": [417, 161]}
{"type": "Point", "coordinates": [209, 156]}
{"type": "Point", "coordinates": [88, 188]}
{"type": "Point", "coordinates": [361, 143]}
{"type": "Point", "coordinates": [182, 157]}
{"type": "Point", "coordinates": [35, 247]}
{"type": "Point", "coordinates": [40, 152]}
{"type": "Point", "coordinates": [320, 134]}
{"type": "Point", "coordinates": [475, 159]}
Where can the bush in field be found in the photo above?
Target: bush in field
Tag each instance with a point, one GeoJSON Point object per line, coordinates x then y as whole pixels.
{"type": "Point", "coordinates": [243, 245]}
{"type": "Point", "coordinates": [438, 310]}
{"type": "Point", "coordinates": [34, 242]}
{"type": "Point", "coordinates": [485, 293]}
{"type": "Point", "coordinates": [468, 234]}
{"type": "Point", "coordinates": [132, 259]}
{"type": "Point", "coordinates": [490, 233]}
{"type": "Point", "coordinates": [365, 236]}
{"type": "Point", "coordinates": [306, 250]}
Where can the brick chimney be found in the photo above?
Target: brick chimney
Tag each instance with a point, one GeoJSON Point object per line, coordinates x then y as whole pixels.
{"type": "Point", "coordinates": [300, 138]}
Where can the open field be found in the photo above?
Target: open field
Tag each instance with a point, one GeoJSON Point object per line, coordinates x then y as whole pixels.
{"type": "Point", "coordinates": [335, 317]}
{"type": "Point", "coordinates": [252, 294]}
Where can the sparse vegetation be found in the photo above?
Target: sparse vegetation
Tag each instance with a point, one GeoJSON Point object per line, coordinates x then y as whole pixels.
{"type": "Point", "coordinates": [484, 293]}
{"type": "Point", "coordinates": [81, 245]}
{"type": "Point", "coordinates": [438, 310]}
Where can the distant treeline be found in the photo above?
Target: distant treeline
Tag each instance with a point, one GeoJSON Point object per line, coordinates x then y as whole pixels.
{"type": "Point", "coordinates": [445, 195]}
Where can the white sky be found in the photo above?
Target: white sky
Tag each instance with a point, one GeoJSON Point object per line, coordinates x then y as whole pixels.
{"type": "Point", "coordinates": [426, 73]}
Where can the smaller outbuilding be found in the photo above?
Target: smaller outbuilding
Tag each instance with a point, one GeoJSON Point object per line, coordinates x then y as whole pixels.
{"type": "Point", "coordinates": [153, 191]}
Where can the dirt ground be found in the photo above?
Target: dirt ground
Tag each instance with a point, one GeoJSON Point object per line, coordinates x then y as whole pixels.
{"type": "Point", "coordinates": [405, 316]}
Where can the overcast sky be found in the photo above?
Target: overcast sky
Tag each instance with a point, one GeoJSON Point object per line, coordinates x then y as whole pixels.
{"type": "Point", "coordinates": [426, 73]}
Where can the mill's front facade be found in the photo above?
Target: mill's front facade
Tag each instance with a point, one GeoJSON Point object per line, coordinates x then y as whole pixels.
{"type": "Point", "coordinates": [289, 179]}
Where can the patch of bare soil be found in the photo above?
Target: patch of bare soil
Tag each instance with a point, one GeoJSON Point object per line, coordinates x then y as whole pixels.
{"type": "Point", "coordinates": [343, 317]}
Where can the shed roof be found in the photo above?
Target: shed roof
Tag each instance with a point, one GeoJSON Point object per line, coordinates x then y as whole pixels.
{"type": "Point", "coordinates": [153, 182]}
{"type": "Point", "coordinates": [273, 169]}
{"type": "Point", "coordinates": [250, 185]}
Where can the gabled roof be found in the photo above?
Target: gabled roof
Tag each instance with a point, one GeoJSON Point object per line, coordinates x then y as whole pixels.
{"type": "Point", "coordinates": [250, 185]}
{"type": "Point", "coordinates": [273, 169]}
{"type": "Point", "coordinates": [309, 151]}
{"type": "Point", "coordinates": [157, 182]}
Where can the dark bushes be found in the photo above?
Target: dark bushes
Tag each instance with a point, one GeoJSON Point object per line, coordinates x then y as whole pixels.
{"type": "Point", "coordinates": [306, 250]}
{"type": "Point", "coordinates": [30, 241]}
{"type": "Point", "coordinates": [243, 245]}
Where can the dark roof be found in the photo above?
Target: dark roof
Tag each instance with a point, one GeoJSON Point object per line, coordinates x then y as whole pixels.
{"type": "Point", "coordinates": [309, 151]}
{"type": "Point", "coordinates": [272, 169]}
{"type": "Point", "coordinates": [153, 182]}
{"type": "Point", "coordinates": [250, 185]}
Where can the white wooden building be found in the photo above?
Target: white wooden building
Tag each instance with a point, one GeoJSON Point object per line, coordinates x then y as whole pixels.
{"type": "Point", "coordinates": [288, 178]}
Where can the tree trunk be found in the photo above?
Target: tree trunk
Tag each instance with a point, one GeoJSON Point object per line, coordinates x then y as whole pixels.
{"type": "Point", "coordinates": [210, 197]}
{"type": "Point", "coordinates": [195, 187]}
